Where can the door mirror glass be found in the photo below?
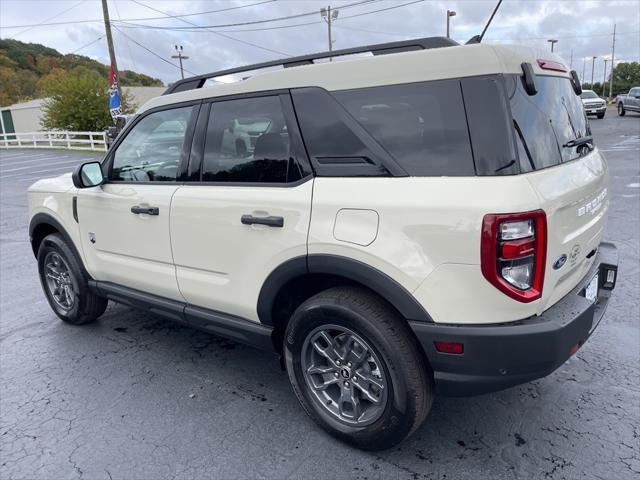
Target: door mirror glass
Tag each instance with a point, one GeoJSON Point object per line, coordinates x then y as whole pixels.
{"type": "Point", "coordinates": [88, 175]}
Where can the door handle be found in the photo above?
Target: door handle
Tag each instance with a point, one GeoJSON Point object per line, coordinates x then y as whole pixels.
{"type": "Point", "coordinates": [269, 221]}
{"type": "Point", "coordinates": [146, 210]}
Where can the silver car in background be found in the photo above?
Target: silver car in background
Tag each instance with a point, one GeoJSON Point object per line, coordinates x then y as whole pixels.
{"type": "Point", "coordinates": [593, 104]}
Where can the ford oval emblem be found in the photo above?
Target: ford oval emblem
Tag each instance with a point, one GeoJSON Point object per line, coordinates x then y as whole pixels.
{"type": "Point", "coordinates": [562, 259]}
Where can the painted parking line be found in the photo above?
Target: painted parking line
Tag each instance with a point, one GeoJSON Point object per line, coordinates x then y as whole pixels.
{"type": "Point", "coordinates": [31, 167]}
{"type": "Point", "coordinates": [43, 173]}
{"type": "Point", "coordinates": [14, 157]}
{"type": "Point", "coordinates": [19, 161]}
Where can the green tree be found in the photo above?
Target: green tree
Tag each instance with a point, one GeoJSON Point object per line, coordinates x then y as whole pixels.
{"type": "Point", "coordinates": [78, 101]}
{"type": "Point", "coordinates": [625, 76]}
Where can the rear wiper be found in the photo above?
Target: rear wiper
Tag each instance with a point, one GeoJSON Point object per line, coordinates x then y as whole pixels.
{"type": "Point", "coordinates": [576, 142]}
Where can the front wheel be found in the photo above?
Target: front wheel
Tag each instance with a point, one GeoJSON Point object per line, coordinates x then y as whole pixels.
{"type": "Point", "coordinates": [65, 284]}
{"type": "Point", "coordinates": [601, 116]}
{"type": "Point", "coordinates": [621, 110]}
{"type": "Point", "coordinates": [356, 368]}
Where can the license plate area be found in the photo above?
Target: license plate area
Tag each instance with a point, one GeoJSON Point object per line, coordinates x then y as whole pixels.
{"type": "Point", "coordinates": [591, 291]}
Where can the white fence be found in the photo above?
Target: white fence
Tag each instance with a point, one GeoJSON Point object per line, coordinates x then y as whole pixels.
{"type": "Point", "coordinates": [55, 139]}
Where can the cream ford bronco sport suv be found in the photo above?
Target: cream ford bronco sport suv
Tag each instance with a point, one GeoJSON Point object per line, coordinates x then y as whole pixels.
{"type": "Point", "coordinates": [427, 219]}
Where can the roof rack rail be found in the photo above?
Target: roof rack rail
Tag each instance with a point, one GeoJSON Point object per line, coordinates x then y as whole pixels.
{"type": "Point", "coordinates": [198, 81]}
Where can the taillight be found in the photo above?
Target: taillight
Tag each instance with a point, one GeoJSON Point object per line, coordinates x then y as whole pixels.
{"type": "Point", "coordinates": [513, 253]}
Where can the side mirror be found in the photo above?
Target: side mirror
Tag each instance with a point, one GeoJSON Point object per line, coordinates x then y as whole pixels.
{"type": "Point", "coordinates": [575, 82]}
{"type": "Point", "coordinates": [88, 175]}
{"type": "Point", "coordinates": [529, 79]}
{"type": "Point", "coordinates": [112, 132]}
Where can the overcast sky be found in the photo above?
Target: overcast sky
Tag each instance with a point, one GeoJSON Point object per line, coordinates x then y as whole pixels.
{"type": "Point", "coordinates": [583, 27]}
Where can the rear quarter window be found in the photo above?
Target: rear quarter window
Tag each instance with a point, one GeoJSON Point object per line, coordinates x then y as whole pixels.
{"type": "Point", "coordinates": [422, 125]}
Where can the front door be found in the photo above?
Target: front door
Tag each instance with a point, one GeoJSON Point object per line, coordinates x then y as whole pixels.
{"type": "Point", "coordinates": [248, 208]}
{"type": "Point", "coordinates": [124, 223]}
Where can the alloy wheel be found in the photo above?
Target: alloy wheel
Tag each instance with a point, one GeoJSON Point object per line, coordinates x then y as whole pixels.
{"type": "Point", "coordinates": [345, 375]}
{"type": "Point", "coordinates": [59, 281]}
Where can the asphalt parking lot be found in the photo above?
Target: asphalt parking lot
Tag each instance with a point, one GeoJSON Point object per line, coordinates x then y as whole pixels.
{"type": "Point", "coordinates": [136, 397]}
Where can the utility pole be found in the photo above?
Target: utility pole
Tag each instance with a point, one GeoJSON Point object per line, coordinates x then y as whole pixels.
{"type": "Point", "coordinates": [180, 57]}
{"type": "Point", "coordinates": [450, 13]}
{"type": "Point", "coordinates": [593, 63]}
{"type": "Point", "coordinates": [329, 16]}
{"type": "Point", "coordinates": [552, 41]}
{"type": "Point", "coordinates": [604, 78]}
{"type": "Point", "coordinates": [571, 61]}
{"type": "Point", "coordinates": [613, 52]}
{"type": "Point", "coordinates": [107, 27]}
{"type": "Point", "coordinates": [584, 64]}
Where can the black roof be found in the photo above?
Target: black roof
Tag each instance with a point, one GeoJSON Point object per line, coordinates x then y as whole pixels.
{"type": "Point", "coordinates": [377, 49]}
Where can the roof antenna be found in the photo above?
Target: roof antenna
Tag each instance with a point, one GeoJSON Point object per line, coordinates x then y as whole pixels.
{"type": "Point", "coordinates": [478, 38]}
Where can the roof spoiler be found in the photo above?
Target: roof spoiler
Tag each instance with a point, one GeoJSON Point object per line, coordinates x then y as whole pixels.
{"type": "Point", "coordinates": [377, 49]}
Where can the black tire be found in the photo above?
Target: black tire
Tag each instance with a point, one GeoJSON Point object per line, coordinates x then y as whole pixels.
{"type": "Point", "coordinates": [409, 379]}
{"type": "Point", "coordinates": [85, 306]}
{"type": "Point", "coordinates": [621, 110]}
{"type": "Point", "coordinates": [601, 116]}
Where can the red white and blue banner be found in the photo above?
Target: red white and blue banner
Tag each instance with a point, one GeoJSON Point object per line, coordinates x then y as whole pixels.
{"type": "Point", "coordinates": [115, 107]}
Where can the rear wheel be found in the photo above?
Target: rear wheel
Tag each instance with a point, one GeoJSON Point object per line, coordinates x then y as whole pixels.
{"type": "Point", "coordinates": [357, 369]}
{"type": "Point", "coordinates": [65, 284]}
{"type": "Point", "coordinates": [621, 110]}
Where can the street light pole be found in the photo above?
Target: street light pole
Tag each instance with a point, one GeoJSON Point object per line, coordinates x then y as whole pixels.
{"type": "Point", "coordinates": [329, 16]}
{"type": "Point", "coordinates": [180, 57]}
{"type": "Point", "coordinates": [552, 41]}
{"type": "Point", "coordinates": [604, 77]}
{"type": "Point", "coordinates": [450, 13]}
{"type": "Point", "coordinates": [613, 53]}
{"type": "Point", "coordinates": [593, 63]}
{"type": "Point", "coordinates": [584, 64]}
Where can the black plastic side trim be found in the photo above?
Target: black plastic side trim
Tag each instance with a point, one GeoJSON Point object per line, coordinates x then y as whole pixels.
{"type": "Point", "coordinates": [235, 328]}
{"type": "Point", "coordinates": [74, 206]}
{"type": "Point", "coordinates": [379, 282]}
{"type": "Point", "coordinates": [42, 218]}
{"type": "Point", "coordinates": [353, 270]}
{"type": "Point", "coordinates": [295, 267]}
{"type": "Point", "coordinates": [218, 323]}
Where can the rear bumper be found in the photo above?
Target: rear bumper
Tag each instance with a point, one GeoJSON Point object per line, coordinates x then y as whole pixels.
{"type": "Point", "coordinates": [499, 356]}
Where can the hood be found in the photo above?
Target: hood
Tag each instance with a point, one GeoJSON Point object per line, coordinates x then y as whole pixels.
{"type": "Point", "coordinates": [60, 184]}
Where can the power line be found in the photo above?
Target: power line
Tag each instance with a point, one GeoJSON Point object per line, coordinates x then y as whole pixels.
{"type": "Point", "coordinates": [199, 30]}
{"type": "Point", "coordinates": [128, 43]}
{"type": "Point", "coordinates": [216, 33]}
{"type": "Point", "coordinates": [152, 52]}
{"type": "Point", "coordinates": [133, 19]}
{"type": "Point", "coordinates": [240, 24]}
{"type": "Point", "coordinates": [87, 45]}
{"type": "Point", "coordinates": [29, 27]}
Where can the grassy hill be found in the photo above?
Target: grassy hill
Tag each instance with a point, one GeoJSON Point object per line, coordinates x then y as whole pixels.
{"type": "Point", "coordinates": [24, 66]}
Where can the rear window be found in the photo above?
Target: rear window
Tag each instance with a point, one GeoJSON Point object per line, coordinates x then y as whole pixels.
{"type": "Point", "coordinates": [422, 125]}
{"type": "Point", "coordinates": [546, 121]}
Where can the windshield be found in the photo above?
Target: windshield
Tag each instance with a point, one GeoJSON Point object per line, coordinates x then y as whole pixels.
{"type": "Point", "coordinates": [588, 94]}
{"type": "Point", "coordinates": [547, 121]}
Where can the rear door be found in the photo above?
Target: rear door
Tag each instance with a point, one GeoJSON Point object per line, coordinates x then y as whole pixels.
{"type": "Point", "coordinates": [571, 182]}
{"type": "Point", "coordinates": [247, 204]}
{"type": "Point", "coordinates": [124, 223]}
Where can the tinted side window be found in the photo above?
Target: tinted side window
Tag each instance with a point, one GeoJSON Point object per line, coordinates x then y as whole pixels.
{"type": "Point", "coordinates": [247, 140]}
{"type": "Point", "coordinates": [422, 125]}
{"type": "Point", "coordinates": [490, 126]}
{"type": "Point", "coordinates": [151, 150]}
{"type": "Point", "coordinates": [337, 144]}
